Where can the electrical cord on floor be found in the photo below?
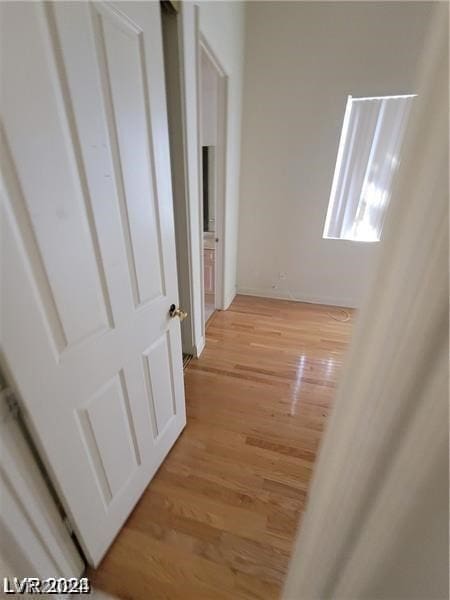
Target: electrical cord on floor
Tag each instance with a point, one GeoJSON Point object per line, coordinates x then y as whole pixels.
{"type": "Point", "coordinates": [346, 316]}
{"type": "Point", "coordinates": [334, 317]}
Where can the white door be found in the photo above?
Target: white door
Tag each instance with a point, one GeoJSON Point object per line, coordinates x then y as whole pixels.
{"type": "Point", "coordinates": [88, 251]}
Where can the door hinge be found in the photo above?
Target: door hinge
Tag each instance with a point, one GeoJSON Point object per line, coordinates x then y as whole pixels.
{"type": "Point", "coordinates": [12, 405]}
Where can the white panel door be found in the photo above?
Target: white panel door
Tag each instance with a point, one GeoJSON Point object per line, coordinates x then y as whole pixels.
{"type": "Point", "coordinates": [88, 251]}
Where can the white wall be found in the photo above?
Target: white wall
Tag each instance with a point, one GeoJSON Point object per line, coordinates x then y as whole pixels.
{"type": "Point", "coordinates": [222, 25]}
{"type": "Point", "coordinates": [208, 104]}
{"type": "Point", "coordinates": [302, 61]}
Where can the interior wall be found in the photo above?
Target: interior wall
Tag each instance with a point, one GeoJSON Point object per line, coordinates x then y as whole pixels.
{"type": "Point", "coordinates": [209, 86]}
{"type": "Point", "coordinates": [223, 26]}
{"type": "Point", "coordinates": [302, 61]}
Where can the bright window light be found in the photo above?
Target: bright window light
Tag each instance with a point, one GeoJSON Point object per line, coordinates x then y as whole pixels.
{"type": "Point", "coordinates": [368, 156]}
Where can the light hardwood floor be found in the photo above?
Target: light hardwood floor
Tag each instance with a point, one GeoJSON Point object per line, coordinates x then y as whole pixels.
{"type": "Point", "coordinates": [219, 518]}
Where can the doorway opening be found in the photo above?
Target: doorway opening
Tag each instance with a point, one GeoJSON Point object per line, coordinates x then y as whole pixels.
{"type": "Point", "coordinates": [209, 230]}
{"type": "Point", "coordinates": [212, 92]}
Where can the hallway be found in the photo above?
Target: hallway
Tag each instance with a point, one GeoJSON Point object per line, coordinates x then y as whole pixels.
{"type": "Point", "coordinates": [219, 518]}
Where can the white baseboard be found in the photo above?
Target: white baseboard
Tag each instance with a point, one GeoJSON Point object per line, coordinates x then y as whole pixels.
{"type": "Point", "coordinates": [200, 347]}
{"type": "Point", "coordinates": [229, 300]}
{"type": "Point", "coordinates": [298, 297]}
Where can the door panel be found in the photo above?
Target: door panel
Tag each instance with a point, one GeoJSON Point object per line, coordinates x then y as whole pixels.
{"type": "Point", "coordinates": [52, 199]}
{"type": "Point", "coordinates": [88, 251]}
{"type": "Point", "coordinates": [123, 62]}
{"type": "Point", "coordinates": [106, 426]}
{"type": "Point", "coordinates": [159, 379]}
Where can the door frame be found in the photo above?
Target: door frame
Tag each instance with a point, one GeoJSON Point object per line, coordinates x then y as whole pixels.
{"type": "Point", "coordinates": [174, 68]}
{"type": "Point", "coordinates": [188, 213]}
{"type": "Point", "coordinates": [220, 164]}
{"type": "Point", "coordinates": [191, 41]}
{"type": "Point", "coordinates": [32, 522]}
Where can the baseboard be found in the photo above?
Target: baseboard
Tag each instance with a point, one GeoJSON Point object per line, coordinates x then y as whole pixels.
{"type": "Point", "coordinates": [298, 297]}
{"type": "Point", "coordinates": [229, 300]}
{"type": "Point", "coordinates": [200, 347]}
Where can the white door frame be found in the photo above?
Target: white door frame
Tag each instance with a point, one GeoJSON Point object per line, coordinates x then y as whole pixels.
{"type": "Point", "coordinates": [190, 241]}
{"type": "Point", "coordinates": [31, 527]}
{"type": "Point", "coordinates": [172, 27]}
{"type": "Point", "coordinates": [219, 167]}
{"type": "Point", "coordinates": [190, 43]}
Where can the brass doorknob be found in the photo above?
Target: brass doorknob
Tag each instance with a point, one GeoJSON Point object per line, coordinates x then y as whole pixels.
{"type": "Point", "coordinates": [177, 312]}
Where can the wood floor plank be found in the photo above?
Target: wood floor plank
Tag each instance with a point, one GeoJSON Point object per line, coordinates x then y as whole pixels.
{"type": "Point", "coordinates": [219, 519]}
